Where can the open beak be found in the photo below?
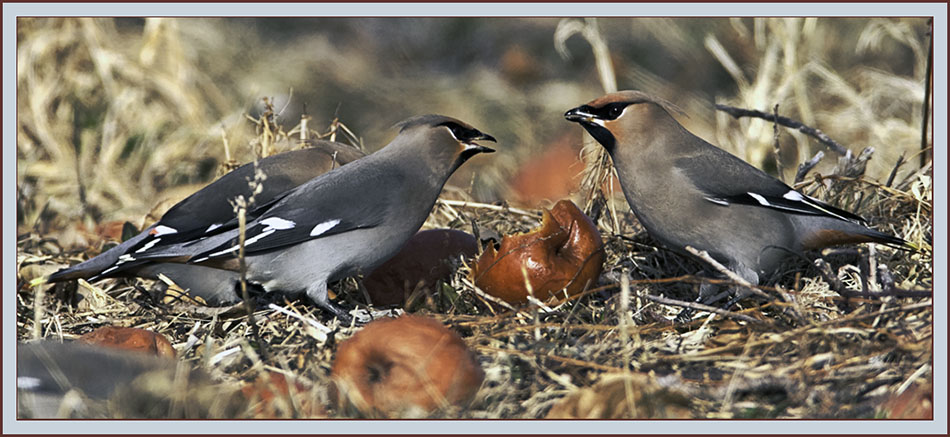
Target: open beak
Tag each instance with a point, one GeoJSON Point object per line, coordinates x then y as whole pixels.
{"type": "Point", "coordinates": [472, 146]}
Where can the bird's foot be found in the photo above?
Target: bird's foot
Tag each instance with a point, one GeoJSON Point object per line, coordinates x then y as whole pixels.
{"type": "Point", "coordinates": [709, 297]}
{"type": "Point", "coordinates": [336, 310]}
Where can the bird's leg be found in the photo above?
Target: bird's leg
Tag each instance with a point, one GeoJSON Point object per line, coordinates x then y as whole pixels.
{"type": "Point", "coordinates": [738, 292]}
{"type": "Point", "coordinates": [709, 296]}
{"type": "Point", "coordinates": [337, 311]}
{"type": "Point", "coordinates": [318, 294]}
{"type": "Point", "coordinates": [749, 276]}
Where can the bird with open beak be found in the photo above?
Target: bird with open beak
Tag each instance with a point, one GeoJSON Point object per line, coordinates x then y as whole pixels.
{"type": "Point", "coordinates": [335, 225]}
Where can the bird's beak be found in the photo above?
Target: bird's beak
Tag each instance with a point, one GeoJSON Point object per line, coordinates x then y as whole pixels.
{"type": "Point", "coordinates": [580, 115]}
{"type": "Point", "coordinates": [472, 146]}
{"type": "Point", "coordinates": [593, 125]}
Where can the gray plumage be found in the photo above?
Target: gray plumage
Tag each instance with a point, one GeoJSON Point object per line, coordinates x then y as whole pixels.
{"type": "Point", "coordinates": [686, 191]}
{"type": "Point", "coordinates": [75, 380]}
{"type": "Point", "coordinates": [211, 206]}
{"type": "Point", "coordinates": [338, 224]}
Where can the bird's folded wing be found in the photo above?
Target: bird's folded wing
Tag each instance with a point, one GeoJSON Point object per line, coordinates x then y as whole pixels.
{"type": "Point", "coordinates": [316, 211]}
{"type": "Point", "coordinates": [171, 230]}
{"type": "Point", "coordinates": [725, 180]}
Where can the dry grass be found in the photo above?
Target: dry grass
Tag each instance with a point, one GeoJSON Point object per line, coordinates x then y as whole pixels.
{"type": "Point", "coordinates": [138, 121]}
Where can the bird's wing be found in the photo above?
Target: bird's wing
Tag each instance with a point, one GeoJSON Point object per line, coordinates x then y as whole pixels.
{"type": "Point", "coordinates": [725, 179]}
{"type": "Point", "coordinates": [320, 208]}
{"type": "Point", "coordinates": [209, 212]}
{"type": "Point", "coordinates": [205, 212]}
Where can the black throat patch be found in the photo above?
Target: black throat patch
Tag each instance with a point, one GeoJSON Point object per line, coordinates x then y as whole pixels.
{"type": "Point", "coordinates": [602, 135]}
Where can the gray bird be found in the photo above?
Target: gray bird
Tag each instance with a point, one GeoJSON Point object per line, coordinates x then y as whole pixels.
{"type": "Point", "coordinates": [685, 191]}
{"type": "Point", "coordinates": [336, 225]}
{"type": "Point", "coordinates": [209, 208]}
{"type": "Point", "coordinates": [75, 380]}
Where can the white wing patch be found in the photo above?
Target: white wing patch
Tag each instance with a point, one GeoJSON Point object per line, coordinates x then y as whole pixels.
{"type": "Point", "coordinates": [247, 242]}
{"type": "Point", "coordinates": [323, 227]}
{"type": "Point", "coordinates": [256, 238]}
{"type": "Point", "coordinates": [277, 224]}
{"type": "Point", "coordinates": [271, 225]}
{"type": "Point", "coordinates": [759, 199]}
{"type": "Point", "coordinates": [808, 201]}
{"type": "Point", "coordinates": [163, 230]}
{"type": "Point", "coordinates": [794, 196]}
{"type": "Point", "coordinates": [149, 245]}
{"type": "Point", "coordinates": [124, 258]}
{"type": "Point", "coordinates": [717, 201]}
{"type": "Point", "coordinates": [213, 227]}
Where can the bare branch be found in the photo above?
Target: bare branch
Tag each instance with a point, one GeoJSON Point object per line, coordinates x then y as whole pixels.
{"type": "Point", "coordinates": [806, 166]}
{"type": "Point", "coordinates": [787, 122]}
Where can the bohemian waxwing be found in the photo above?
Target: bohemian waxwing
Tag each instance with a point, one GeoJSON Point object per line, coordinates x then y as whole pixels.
{"type": "Point", "coordinates": [335, 225]}
{"type": "Point", "coordinates": [686, 191]}
{"type": "Point", "coordinates": [209, 208]}
{"type": "Point", "coordinates": [56, 380]}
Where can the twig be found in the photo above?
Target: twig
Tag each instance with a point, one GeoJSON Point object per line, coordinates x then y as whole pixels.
{"type": "Point", "coordinates": [502, 208]}
{"type": "Point", "coordinates": [854, 166]}
{"type": "Point", "coordinates": [926, 105]}
{"type": "Point", "coordinates": [779, 168]}
{"type": "Point", "coordinates": [806, 166]}
{"type": "Point", "coordinates": [787, 122]}
{"type": "Point", "coordinates": [536, 355]}
{"type": "Point", "coordinates": [913, 377]}
{"type": "Point", "coordinates": [890, 191]}
{"type": "Point", "coordinates": [227, 149]}
{"type": "Point", "coordinates": [625, 339]}
{"type": "Point", "coordinates": [77, 146]}
{"type": "Point", "coordinates": [702, 254]}
{"type": "Point", "coordinates": [825, 270]}
{"type": "Point", "coordinates": [38, 299]}
{"type": "Point", "coordinates": [701, 307]}
{"type": "Point", "coordinates": [481, 293]}
{"type": "Point", "coordinates": [596, 163]}
{"type": "Point", "coordinates": [304, 130]}
{"type": "Point", "coordinates": [889, 292]}
{"type": "Point", "coordinates": [248, 305]}
{"type": "Point", "coordinates": [784, 336]}
{"type": "Point", "coordinates": [319, 326]}
{"type": "Point", "coordinates": [241, 205]}
{"type": "Point", "coordinates": [897, 165]}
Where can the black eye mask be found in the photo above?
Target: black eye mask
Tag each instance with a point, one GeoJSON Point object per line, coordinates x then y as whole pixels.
{"type": "Point", "coordinates": [607, 112]}
{"type": "Point", "coordinates": [610, 111]}
{"type": "Point", "coordinates": [465, 134]}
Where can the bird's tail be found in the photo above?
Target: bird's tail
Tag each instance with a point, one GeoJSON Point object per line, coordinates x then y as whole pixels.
{"type": "Point", "coordinates": [890, 240]}
{"type": "Point", "coordinates": [817, 234]}
{"type": "Point", "coordinates": [92, 267]}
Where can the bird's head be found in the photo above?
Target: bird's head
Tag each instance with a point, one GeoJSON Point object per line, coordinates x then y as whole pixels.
{"type": "Point", "coordinates": [444, 139]}
{"type": "Point", "coordinates": [623, 117]}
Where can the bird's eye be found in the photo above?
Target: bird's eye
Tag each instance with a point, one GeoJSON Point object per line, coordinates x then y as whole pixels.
{"type": "Point", "coordinates": [615, 111]}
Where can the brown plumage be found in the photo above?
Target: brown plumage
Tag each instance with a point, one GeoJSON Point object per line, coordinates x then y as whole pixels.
{"type": "Point", "coordinates": [686, 191]}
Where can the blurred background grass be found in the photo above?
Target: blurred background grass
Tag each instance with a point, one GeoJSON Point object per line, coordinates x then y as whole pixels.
{"type": "Point", "coordinates": [117, 115]}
